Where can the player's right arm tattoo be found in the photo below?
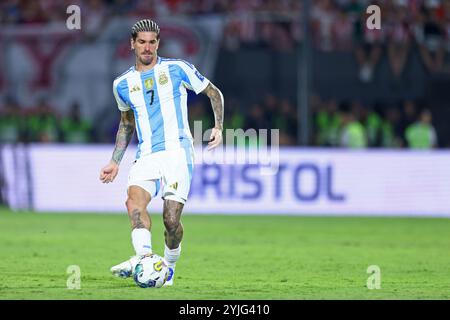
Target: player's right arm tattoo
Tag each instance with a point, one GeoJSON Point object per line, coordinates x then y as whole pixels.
{"type": "Point", "coordinates": [216, 98]}
{"type": "Point", "coordinates": [124, 135]}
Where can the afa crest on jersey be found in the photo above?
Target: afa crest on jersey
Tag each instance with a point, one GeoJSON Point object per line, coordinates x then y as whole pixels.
{"type": "Point", "coordinates": [163, 78]}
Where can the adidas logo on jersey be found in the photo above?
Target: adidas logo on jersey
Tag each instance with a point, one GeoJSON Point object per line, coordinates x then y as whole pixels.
{"type": "Point", "coordinates": [135, 88]}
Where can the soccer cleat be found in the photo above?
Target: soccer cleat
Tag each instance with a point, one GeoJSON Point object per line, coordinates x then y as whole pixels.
{"type": "Point", "coordinates": [169, 281]}
{"type": "Point", "coordinates": [125, 269]}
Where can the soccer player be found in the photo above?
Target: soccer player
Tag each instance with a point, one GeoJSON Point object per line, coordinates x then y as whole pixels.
{"type": "Point", "coordinates": [152, 97]}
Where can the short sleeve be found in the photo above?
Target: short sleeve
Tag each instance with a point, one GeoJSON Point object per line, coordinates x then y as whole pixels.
{"type": "Point", "coordinates": [193, 79]}
{"type": "Point", "coordinates": [121, 104]}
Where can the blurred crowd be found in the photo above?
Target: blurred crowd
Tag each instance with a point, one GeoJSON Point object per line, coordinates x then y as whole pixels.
{"type": "Point", "coordinates": [347, 124]}
{"type": "Point", "coordinates": [341, 25]}
{"type": "Point", "coordinates": [353, 124]}
{"type": "Point", "coordinates": [343, 124]}
{"type": "Point", "coordinates": [43, 124]}
{"type": "Point", "coordinates": [48, 11]}
{"type": "Point", "coordinates": [336, 25]}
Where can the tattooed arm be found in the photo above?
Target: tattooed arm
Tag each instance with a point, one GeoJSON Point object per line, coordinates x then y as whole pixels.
{"type": "Point", "coordinates": [217, 102]}
{"type": "Point", "coordinates": [123, 138]}
{"type": "Point", "coordinates": [124, 135]}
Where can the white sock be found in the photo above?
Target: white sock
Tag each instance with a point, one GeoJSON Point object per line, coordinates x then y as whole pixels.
{"type": "Point", "coordinates": [172, 255]}
{"type": "Point", "coordinates": [142, 241]}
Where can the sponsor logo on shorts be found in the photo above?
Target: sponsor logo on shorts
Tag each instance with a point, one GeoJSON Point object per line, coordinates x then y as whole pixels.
{"type": "Point", "coordinates": [174, 186]}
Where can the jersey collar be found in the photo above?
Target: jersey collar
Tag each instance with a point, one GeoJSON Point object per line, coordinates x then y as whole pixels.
{"type": "Point", "coordinates": [158, 61]}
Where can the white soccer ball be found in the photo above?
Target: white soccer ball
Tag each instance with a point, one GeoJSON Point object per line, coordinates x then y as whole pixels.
{"type": "Point", "coordinates": [151, 272]}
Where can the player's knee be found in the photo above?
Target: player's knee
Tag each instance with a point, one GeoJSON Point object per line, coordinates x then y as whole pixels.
{"type": "Point", "coordinates": [132, 204]}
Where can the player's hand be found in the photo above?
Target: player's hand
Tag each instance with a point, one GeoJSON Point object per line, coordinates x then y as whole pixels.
{"type": "Point", "coordinates": [215, 139]}
{"type": "Point", "coordinates": [109, 172]}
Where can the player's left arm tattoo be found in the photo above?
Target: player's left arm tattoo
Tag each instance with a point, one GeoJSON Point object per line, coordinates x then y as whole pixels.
{"type": "Point", "coordinates": [217, 102]}
{"type": "Point", "coordinates": [124, 135]}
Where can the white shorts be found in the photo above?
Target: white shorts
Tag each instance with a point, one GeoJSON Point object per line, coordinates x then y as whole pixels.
{"type": "Point", "coordinates": [169, 169]}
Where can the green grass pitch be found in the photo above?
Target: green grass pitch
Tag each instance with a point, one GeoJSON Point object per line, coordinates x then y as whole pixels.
{"type": "Point", "coordinates": [229, 257]}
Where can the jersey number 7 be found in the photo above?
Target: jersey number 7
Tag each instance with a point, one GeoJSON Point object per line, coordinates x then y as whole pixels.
{"type": "Point", "coordinates": [153, 95]}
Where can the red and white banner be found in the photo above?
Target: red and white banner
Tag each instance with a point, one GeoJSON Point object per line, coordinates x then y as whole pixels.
{"type": "Point", "coordinates": [66, 66]}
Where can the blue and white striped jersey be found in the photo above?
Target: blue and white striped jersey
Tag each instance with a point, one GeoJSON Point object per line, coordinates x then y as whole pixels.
{"type": "Point", "coordinates": [158, 98]}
